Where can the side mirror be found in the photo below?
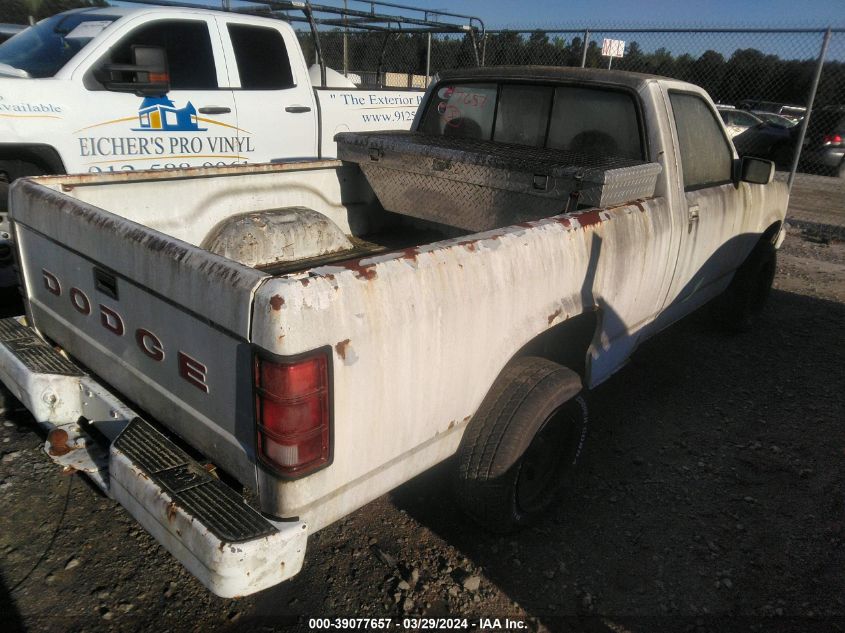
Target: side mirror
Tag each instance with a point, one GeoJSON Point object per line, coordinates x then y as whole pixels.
{"type": "Point", "coordinates": [757, 171]}
{"type": "Point", "coordinates": [147, 76]}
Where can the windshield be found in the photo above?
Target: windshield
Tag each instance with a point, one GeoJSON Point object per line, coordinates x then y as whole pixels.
{"type": "Point", "coordinates": [42, 50]}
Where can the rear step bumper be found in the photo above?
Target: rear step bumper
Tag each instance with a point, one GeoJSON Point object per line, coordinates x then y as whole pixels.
{"type": "Point", "coordinates": [232, 549]}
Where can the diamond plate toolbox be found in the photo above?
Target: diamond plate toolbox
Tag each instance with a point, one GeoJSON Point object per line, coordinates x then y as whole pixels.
{"type": "Point", "coordinates": [481, 185]}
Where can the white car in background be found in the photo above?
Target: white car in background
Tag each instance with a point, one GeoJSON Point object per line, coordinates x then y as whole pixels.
{"type": "Point", "coordinates": [737, 121]}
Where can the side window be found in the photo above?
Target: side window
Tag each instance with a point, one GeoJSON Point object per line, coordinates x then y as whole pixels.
{"type": "Point", "coordinates": [523, 115]}
{"type": "Point", "coordinates": [190, 57]}
{"type": "Point", "coordinates": [262, 58]}
{"type": "Point", "coordinates": [706, 156]}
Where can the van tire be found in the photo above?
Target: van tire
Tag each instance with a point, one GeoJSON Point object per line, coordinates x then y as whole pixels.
{"type": "Point", "coordinates": [739, 306]}
{"type": "Point", "coordinates": [526, 436]}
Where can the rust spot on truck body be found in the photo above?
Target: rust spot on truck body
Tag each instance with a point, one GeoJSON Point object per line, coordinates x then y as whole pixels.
{"type": "Point", "coordinates": [57, 439]}
{"type": "Point", "coordinates": [589, 218]}
{"type": "Point", "coordinates": [305, 281]}
{"type": "Point", "coordinates": [276, 302]}
{"type": "Point", "coordinates": [410, 254]}
{"type": "Point", "coordinates": [365, 272]}
{"type": "Point", "coordinates": [341, 348]}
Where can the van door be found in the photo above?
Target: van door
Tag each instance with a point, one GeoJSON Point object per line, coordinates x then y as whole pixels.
{"type": "Point", "coordinates": [194, 124]}
{"type": "Point", "coordinates": [277, 112]}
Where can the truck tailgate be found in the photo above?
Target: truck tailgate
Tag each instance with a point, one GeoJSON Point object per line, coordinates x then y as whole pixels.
{"type": "Point", "coordinates": [164, 322]}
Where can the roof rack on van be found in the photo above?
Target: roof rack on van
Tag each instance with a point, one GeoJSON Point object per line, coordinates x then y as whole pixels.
{"type": "Point", "coordinates": [362, 15]}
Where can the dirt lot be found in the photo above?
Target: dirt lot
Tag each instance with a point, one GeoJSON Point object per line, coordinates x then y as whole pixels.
{"type": "Point", "coordinates": [710, 499]}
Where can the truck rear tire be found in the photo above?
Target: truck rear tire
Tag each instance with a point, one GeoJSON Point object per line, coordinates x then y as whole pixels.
{"type": "Point", "coordinates": [526, 436]}
{"type": "Point", "coordinates": [738, 307]}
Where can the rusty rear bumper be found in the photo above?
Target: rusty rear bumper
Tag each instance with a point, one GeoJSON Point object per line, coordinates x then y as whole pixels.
{"type": "Point", "coordinates": [231, 548]}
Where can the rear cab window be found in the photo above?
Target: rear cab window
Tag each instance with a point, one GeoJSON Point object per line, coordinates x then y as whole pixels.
{"type": "Point", "coordinates": [588, 120]}
{"type": "Point", "coordinates": [462, 111]}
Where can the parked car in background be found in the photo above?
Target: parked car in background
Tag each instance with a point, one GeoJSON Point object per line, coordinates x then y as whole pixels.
{"type": "Point", "coordinates": [824, 149]}
{"type": "Point", "coordinates": [76, 97]}
{"type": "Point", "coordinates": [793, 112]}
{"type": "Point", "coordinates": [737, 121]}
{"type": "Point", "coordinates": [772, 141]}
{"type": "Point", "coordinates": [775, 119]}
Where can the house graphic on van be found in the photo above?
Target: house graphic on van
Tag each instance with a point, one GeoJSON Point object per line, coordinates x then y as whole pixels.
{"type": "Point", "coordinates": [160, 115]}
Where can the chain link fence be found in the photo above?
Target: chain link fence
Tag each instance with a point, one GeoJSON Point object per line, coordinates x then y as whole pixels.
{"type": "Point", "coordinates": [757, 69]}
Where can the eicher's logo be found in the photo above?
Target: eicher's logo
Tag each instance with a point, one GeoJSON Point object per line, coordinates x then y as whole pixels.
{"type": "Point", "coordinates": [159, 114]}
{"type": "Point", "coordinates": [162, 136]}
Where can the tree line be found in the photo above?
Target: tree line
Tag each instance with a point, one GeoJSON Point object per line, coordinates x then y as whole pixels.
{"type": "Point", "coordinates": [747, 73]}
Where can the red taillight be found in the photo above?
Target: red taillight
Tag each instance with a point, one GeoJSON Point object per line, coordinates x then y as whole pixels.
{"type": "Point", "coordinates": [832, 139]}
{"type": "Point", "coordinates": [292, 409]}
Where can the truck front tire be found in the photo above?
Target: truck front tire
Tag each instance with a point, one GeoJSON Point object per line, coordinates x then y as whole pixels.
{"type": "Point", "coordinates": [738, 307]}
{"type": "Point", "coordinates": [525, 438]}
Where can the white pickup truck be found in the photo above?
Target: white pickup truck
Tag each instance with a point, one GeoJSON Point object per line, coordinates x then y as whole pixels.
{"type": "Point", "coordinates": [123, 89]}
{"type": "Point", "coordinates": [318, 333]}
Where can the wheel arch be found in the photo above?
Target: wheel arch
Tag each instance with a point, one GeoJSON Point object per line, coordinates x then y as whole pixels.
{"type": "Point", "coordinates": [771, 233]}
{"type": "Point", "coordinates": [18, 160]}
{"type": "Point", "coordinates": [566, 343]}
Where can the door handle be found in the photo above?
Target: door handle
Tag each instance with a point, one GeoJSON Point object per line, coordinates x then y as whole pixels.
{"type": "Point", "coordinates": [692, 217]}
{"type": "Point", "coordinates": [297, 109]}
{"type": "Point", "coordinates": [215, 110]}
{"type": "Point", "coordinates": [693, 213]}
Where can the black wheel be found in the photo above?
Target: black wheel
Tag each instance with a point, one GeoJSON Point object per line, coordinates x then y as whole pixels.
{"type": "Point", "coordinates": [523, 441]}
{"type": "Point", "coordinates": [744, 299]}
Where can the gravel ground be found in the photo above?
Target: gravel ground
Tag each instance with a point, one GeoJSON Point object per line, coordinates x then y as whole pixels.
{"type": "Point", "coordinates": [709, 499]}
